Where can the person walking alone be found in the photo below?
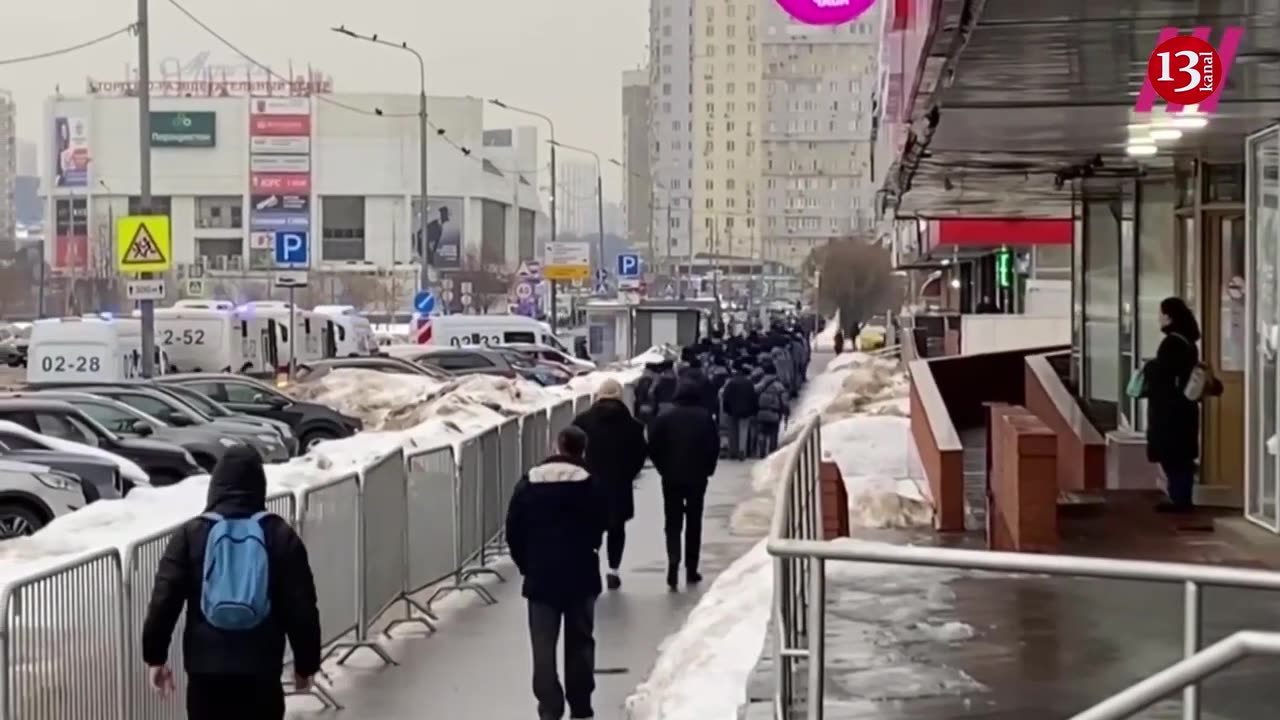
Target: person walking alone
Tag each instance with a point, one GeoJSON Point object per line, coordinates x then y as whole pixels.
{"type": "Point", "coordinates": [685, 446]}
{"type": "Point", "coordinates": [615, 456]}
{"type": "Point", "coordinates": [243, 577]}
{"type": "Point", "coordinates": [555, 524]}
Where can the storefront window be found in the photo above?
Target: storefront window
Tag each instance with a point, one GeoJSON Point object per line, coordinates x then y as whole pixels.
{"type": "Point", "coordinates": [1264, 327]}
{"type": "Point", "coordinates": [1156, 270]}
{"type": "Point", "coordinates": [1102, 299]}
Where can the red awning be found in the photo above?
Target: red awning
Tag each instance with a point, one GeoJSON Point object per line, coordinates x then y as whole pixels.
{"type": "Point", "coordinates": [994, 233]}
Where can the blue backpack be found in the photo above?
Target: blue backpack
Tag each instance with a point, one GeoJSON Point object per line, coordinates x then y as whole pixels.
{"type": "Point", "coordinates": [235, 593]}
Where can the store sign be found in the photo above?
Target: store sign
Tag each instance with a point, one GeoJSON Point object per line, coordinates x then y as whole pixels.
{"type": "Point", "coordinates": [269, 204]}
{"type": "Point", "coordinates": [205, 75]}
{"type": "Point", "coordinates": [281, 106]}
{"type": "Point", "coordinates": [280, 145]}
{"type": "Point", "coordinates": [280, 163]}
{"type": "Point", "coordinates": [281, 183]}
{"type": "Point", "coordinates": [280, 125]}
{"type": "Point", "coordinates": [183, 129]}
{"type": "Point", "coordinates": [826, 12]}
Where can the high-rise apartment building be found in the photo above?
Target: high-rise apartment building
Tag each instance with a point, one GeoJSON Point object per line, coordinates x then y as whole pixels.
{"type": "Point", "coordinates": [671, 119]}
{"type": "Point", "coordinates": [576, 199]}
{"type": "Point", "coordinates": [8, 166]}
{"type": "Point", "coordinates": [638, 191]}
{"type": "Point", "coordinates": [726, 102]}
{"type": "Point", "coordinates": [818, 89]}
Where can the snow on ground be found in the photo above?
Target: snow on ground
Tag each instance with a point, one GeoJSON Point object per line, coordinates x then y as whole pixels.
{"type": "Point", "coordinates": [703, 669]}
{"type": "Point", "coordinates": [825, 340]}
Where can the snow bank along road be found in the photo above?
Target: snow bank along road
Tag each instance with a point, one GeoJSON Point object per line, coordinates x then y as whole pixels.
{"type": "Point", "coordinates": [416, 500]}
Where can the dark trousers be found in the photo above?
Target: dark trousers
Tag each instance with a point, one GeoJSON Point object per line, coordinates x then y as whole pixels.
{"type": "Point", "coordinates": [616, 543]}
{"type": "Point", "coordinates": [243, 697]}
{"type": "Point", "coordinates": [738, 430]}
{"type": "Point", "coordinates": [766, 438]}
{"type": "Point", "coordinates": [682, 509]}
{"type": "Point", "coordinates": [579, 621]}
{"type": "Point", "coordinates": [1181, 482]}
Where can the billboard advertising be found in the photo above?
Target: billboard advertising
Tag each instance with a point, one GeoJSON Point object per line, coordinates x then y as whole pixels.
{"type": "Point", "coordinates": [280, 163]}
{"type": "Point", "coordinates": [444, 231]}
{"type": "Point", "coordinates": [291, 125]}
{"type": "Point", "coordinates": [279, 183]}
{"type": "Point", "coordinates": [70, 152]}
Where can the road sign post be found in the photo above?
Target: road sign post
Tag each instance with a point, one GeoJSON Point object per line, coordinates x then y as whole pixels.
{"type": "Point", "coordinates": [424, 303]}
{"type": "Point", "coordinates": [144, 246]}
{"type": "Point", "coordinates": [292, 250]}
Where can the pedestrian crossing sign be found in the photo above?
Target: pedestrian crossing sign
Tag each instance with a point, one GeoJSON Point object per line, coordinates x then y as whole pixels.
{"type": "Point", "coordinates": [143, 244]}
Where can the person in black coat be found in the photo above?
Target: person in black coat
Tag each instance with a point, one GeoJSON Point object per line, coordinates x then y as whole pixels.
{"type": "Point", "coordinates": [739, 401]}
{"type": "Point", "coordinates": [234, 674]}
{"type": "Point", "coordinates": [1173, 421]}
{"type": "Point", "coordinates": [685, 446]}
{"type": "Point", "coordinates": [615, 456]}
{"type": "Point", "coordinates": [555, 524]}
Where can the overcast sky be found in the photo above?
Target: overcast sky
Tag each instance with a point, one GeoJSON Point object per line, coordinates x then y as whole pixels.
{"type": "Point", "coordinates": [562, 57]}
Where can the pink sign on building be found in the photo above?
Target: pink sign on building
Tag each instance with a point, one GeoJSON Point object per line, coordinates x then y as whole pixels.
{"type": "Point", "coordinates": [826, 12]}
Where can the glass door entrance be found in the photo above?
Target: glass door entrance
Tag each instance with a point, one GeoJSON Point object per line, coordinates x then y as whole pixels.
{"type": "Point", "coordinates": [1262, 329]}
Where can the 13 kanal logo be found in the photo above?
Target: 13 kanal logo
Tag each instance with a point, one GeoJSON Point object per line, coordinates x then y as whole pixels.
{"type": "Point", "coordinates": [1187, 70]}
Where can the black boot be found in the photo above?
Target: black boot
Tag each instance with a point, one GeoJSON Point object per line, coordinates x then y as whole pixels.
{"type": "Point", "coordinates": [612, 580]}
{"type": "Point", "coordinates": [692, 577]}
{"type": "Point", "coordinates": [673, 578]}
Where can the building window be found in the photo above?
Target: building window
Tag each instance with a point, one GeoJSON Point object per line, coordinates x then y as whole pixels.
{"type": "Point", "coordinates": [220, 253]}
{"type": "Point", "coordinates": [342, 228]}
{"type": "Point", "coordinates": [160, 205]}
{"type": "Point", "coordinates": [219, 213]}
{"type": "Point", "coordinates": [711, 184]}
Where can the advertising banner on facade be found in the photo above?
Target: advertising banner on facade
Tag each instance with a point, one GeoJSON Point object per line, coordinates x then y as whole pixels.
{"type": "Point", "coordinates": [280, 163]}
{"type": "Point", "coordinates": [279, 183]}
{"type": "Point", "coordinates": [70, 152]}
{"type": "Point", "coordinates": [444, 231]}
{"type": "Point", "coordinates": [281, 106]}
{"type": "Point", "coordinates": [71, 234]}
{"type": "Point", "coordinates": [260, 125]}
{"type": "Point", "coordinates": [184, 129]}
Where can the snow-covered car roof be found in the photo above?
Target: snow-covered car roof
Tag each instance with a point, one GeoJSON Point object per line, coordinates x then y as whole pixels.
{"type": "Point", "coordinates": [128, 468]}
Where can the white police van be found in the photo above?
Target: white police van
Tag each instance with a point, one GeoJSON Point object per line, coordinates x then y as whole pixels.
{"type": "Point", "coordinates": [88, 349]}
{"type": "Point", "coordinates": [469, 330]}
{"type": "Point", "coordinates": [308, 329]}
{"type": "Point", "coordinates": [350, 333]}
{"type": "Point", "coordinates": [206, 337]}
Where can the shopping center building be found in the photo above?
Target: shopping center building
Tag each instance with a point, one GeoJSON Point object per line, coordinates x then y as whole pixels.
{"type": "Point", "coordinates": [1024, 113]}
{"type": "Point", "coordinates": [230, 171]}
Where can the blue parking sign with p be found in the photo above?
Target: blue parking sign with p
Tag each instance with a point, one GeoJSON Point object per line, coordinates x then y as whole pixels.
{"type": "Point", "coordinates": [291, 248]}
{"type": "Point", "coordinates": [628, 266]}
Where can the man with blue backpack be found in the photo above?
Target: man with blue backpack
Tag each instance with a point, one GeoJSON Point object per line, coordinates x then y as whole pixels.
{"type": "Point", "coordinates": [243, 577]}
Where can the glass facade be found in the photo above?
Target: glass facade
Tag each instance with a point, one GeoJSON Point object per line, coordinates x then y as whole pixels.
{"type": "Point", "coordinates": [1101, 290]}
{"type": "Point", "coordinates": [1262, 336]}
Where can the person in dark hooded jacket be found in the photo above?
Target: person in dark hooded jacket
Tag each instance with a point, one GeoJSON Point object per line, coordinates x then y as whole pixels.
{"type": "Point", "coordinates": [555, 523]}
{"type": "Point", "coordinates": [234, 674]}
{"type": "Point", "coordinates": [615, 456]}
{"type": "Point", "coordinates": [685, 446]}
{"type": "Point", "coordinates": [739, 400]}
{"type": "Point", "coordinates": [1173, 421]}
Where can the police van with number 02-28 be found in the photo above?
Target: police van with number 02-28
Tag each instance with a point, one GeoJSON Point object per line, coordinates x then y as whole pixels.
{"type": "Point", "coordinates": [90, 348]}
{"type": "Point", "coordinates": [488, 330]}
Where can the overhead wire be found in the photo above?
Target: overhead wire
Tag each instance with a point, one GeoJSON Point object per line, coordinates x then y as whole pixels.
{"type": "Point", "coordinates": [130, 28]}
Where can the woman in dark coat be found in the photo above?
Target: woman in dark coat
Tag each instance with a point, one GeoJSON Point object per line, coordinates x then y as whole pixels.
{"type": "Point", "coordinates": [1173, 421]}
{"type": "Point", "coordinates": [615, 456]}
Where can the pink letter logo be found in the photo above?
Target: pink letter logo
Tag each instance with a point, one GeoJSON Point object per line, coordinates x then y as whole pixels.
{"type": "Point", "coordinates": [1187, 70]}
{"type": "Point", "coordinates": [826, 12]}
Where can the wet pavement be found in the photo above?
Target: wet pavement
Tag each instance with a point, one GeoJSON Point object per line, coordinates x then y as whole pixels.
{"type": "Point", "coordinates": [477, 666]}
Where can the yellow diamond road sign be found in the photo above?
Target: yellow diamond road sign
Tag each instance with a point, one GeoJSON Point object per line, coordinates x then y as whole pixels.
{"type": "Point", "coordinates": [143, 244]}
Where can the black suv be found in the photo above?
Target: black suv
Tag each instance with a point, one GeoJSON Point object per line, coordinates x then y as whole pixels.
{"type": "Point", "coordinates": [312, 423]}
{"type": "Point", "coordinates": [165, 463]}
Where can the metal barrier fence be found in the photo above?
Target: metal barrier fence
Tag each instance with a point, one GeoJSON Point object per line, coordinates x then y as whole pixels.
{"type": "Point", "coordinates": [799, 597]}
{"type": "Point", "coordinates": [70, 633]}
{"type": "Point", "coordinates": [581, 404]}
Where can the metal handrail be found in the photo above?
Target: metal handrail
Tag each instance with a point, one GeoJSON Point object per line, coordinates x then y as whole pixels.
{"type": "Point", "coordinates": [799, 631]}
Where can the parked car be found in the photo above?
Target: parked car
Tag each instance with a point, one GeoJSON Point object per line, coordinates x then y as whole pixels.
{"type": "Point", "coordinates": [217, 410]}
{"type": "Point", "coordinates": [171, 410]}
{"type": "Point", "coordinates": [316, 369]}
{"type": "Point", "coordinates": [543, 373]}
{"type": "Point", "coordinates": [206, 446]}
{"type": "Point", "coordinates": [163, 463]}
{"type": "Point", "coordinates": [20, 439]}
{"type": "Point", "coordinates": [101, 478]}
{"type": "Point", "coordinates": [548, 354]}
{"type": "Point", "coordinates": [14, 341]}
{"type": "Point", "coordinates": [312, 423]}
{"type": "Point", "coordinates": [31, 496]}
{"type": "Point", "coordinates": [457, 361]}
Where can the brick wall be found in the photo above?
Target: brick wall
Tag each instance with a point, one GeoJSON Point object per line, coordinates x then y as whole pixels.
{"type": "Point", "coordinates": [1024, 485]}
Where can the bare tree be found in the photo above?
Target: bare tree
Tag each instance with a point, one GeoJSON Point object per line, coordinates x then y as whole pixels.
{"type": "Point", "coordinates": [856, 279]}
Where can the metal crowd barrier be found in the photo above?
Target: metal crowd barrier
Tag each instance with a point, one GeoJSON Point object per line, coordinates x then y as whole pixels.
{"type": "Point", "coordinates": [581, 404]}
{"type": "Point", "coordinates": [799, 597]}
{"type": "Point", "coordinates": [70, 633]}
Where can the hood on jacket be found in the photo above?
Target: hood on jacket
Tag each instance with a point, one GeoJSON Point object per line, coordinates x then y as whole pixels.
{"type": "Point", "coordinates": [611, 408]}
{"type": "Point", "coordinates": [688, 394]}
{"type": "Point", "coordinates": [558, 469]}
{"type": "Point", "coordinates": [239, 484]}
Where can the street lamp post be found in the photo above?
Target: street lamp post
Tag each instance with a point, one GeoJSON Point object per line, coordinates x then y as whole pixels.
{"type": "Point", "coordinates": [426, 276]}
{"type": "Point", "coordinates": [551, 125]}
{"type": "Point", "coordinates": [652, 259]}
{"type": "Point", "coordinates": [146, 308]}
{"type": "Point", "coordinates": [599, 193]}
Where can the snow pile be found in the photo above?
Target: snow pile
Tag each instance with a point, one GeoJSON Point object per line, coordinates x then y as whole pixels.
{"type": "Point", "coordinates": [825, 340]}
{"type": "Point", "coordinates": [868, 384]}
{"type": "Point", "coordinates": [874, 457]}
{"type": "Point", "coordinates": [656, 354]}
{"type": "Point", "coordinates": [702, 669]}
